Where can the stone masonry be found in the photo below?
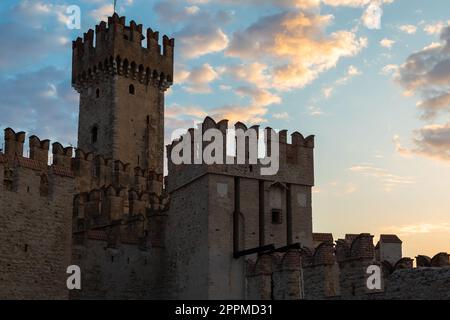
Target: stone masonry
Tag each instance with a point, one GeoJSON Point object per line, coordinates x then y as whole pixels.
{"type": "Point", "coordinates": [220, 231]}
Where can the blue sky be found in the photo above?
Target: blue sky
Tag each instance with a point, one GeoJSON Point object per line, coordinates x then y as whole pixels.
{"type": "Point", "coordinates": [370, 78]}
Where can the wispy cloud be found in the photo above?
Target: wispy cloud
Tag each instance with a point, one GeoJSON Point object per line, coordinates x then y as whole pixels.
{"type": "Point", "coordinates": [408, 28]}
{"type": "Point", "coordinates": [387, 43]}
{"type": "Point", "coordinates": [198, 79]}
{"type": "Point", "coordinates": [423, 228]}
{"type": "Point", "coordinates": [387, 179]}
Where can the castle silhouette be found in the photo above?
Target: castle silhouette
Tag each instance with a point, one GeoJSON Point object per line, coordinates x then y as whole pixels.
{"type": "Point", "coordinates": [216, 231]}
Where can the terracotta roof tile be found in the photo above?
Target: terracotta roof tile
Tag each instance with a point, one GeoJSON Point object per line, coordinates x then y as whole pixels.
{"type": "Point", "coordinates": [62, 171]}
{"type": "Point", "coordinates": [31, 164]}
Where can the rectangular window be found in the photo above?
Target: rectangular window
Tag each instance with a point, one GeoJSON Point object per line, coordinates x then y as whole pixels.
{"type": "Point", "coordinates": [277, 216]}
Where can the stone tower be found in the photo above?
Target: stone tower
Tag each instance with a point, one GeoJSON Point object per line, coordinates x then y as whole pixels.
{"type": "Point", "coordinates": [121, 85]}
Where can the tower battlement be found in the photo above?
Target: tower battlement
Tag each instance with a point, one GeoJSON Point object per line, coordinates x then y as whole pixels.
{"type": "Point", "coordinates": [295, 158]}
{"type": "Point", "coordinates": [95, 171]}
{"type": "Point", "coordinates": [38, 159]}
{"type": "Point", "coordinates": [116, 48]}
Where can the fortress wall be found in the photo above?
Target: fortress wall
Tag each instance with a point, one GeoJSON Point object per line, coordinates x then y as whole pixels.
{"type": "Point", "coordinates": [301, 201]}
{"type": "Point", "coordinates": [321, 273]}
{"type": "Point", "coordinates": [419, 284]}
{"type": "Point", "coordinates": [35, 231]}
{"type": "Point", "coordinates": [287, 277]}
{"type": "Point", "coordinates": [226, 274]}
{"type": "Point", "coordinates": [249, 209]}
{"type": "Point", "coordinates": [187, 242]}
{"type": "Point", "coordinates": [123, 272]}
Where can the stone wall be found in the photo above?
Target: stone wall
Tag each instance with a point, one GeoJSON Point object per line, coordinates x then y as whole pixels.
{"type": "Point", "coordinates": [419, 284]}
{"type": "Point", "coordinates": [187, 242]}
{"type": "Point", "coordinates": [121, 85]}
{"type": "Point", "coordinates": [124, 271]}
{"type": "Point", "coordinates": [340, 273]}
{"type": "Point", "coordinates": [35, 223]}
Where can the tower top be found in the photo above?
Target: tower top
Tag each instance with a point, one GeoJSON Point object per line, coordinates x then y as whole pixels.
{"type": "Point", "coordinates": [117, 48]}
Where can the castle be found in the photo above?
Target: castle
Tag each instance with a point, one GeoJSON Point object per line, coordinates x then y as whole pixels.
{"type": "Point", "coordinates": [216, 231]}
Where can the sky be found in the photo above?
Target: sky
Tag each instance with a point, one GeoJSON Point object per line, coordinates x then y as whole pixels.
{"type": "Point", "coordinates": [369, 78]}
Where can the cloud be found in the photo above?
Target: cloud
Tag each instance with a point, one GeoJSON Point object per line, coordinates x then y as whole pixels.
{"type": "Point", "coordinates": [389, 69]}
{"type": "Point", "coordinates": [35, 31]}
{"type": "Point", "coordinates": [198, 79]}
{"type": "Point", "coordinates": [372, 16]}
{"type": "Point", "coordinates": [315, 111]}
{"type": "Point", "coordinates": [298, 45]}
{"type": "Point", "coordinates": [399, 148]}
{"type": "Point", "coordinates": [388, 179]}
{"type": "Point", "coordinates": [198, 40]}
{"type": "Point", "coordinates": [199, 31]}
{"type": "Point", "coordinates": [41, 103]}
{"type": "Point", "coordinates": [102, 13]}
{"type": "Point", "coordinates": [259, 97]}
{"type": "Point", "coordinates": [423, 228]}
{"type": "Point", "coordinates": [427, 73]}
{"type": "Point", "coordinates": [387, 43]}
{"type": "Point", "coordinates": [408, 28]}
{"type": "Point", "coordinates": [255, 73]}
{"type": "Point", "coordinates": [309, 4]}
{"type": "Point", "coordinates": [433, 141]}
{"type": "Point", "coordinates": [435, 28]}
{"type": "Point", "coordinates": [281, 116]}
{"type": "Point", "coordinates": [352, 72]}
{"type": "Point", "coordinates": [249, 114]}
{"type": "Point", "coordinates": [175, 11]}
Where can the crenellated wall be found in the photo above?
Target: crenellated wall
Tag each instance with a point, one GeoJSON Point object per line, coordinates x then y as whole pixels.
{"type": "Point", "coordinates": [296, 159]}
{"type": "Point", "coordinates": [340, 273]}
{"type": "Point", "coordinates": [35, 215]}
{"type": "Point", "coordinates": [220, 230]}
{"type": "Point", "coordinates": [230, 208]}
{"type": "Point", "coordinates": [122, 86]}
{"type": "Point", "coordinates": [116, 48]}
{"type": "Point", "coordinates": [104, 203]}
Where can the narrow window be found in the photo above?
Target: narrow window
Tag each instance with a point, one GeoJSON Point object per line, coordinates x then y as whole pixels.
{"type": "Point", "coordinates": [96, 169]}
{"type": "Point", "coordinates": [97, 93]}
{"type": "Point", "coordinates": [8, 180]}
{"type": "Point", "coordinates": [276, 216]}
{"type": "Point", "coordinates": [94, 134]}
{"type": "Point", "coordinates": [43, 188]}
{"type": "Point", "coordinates": [131, 89]}
{"type": "Point", "coordinates": [148, 119]}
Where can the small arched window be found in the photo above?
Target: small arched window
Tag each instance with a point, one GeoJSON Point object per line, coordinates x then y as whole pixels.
{"type": "Point", "coordinates": [94, 134]}
{"type": "Point", "coordinates": [131, 89]}
{"type": "Point", "coordinates": [97, 93]}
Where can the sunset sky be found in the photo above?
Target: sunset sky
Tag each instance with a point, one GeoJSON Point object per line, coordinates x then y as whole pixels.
{"type": "Point", "coordinates": [369, 78]}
